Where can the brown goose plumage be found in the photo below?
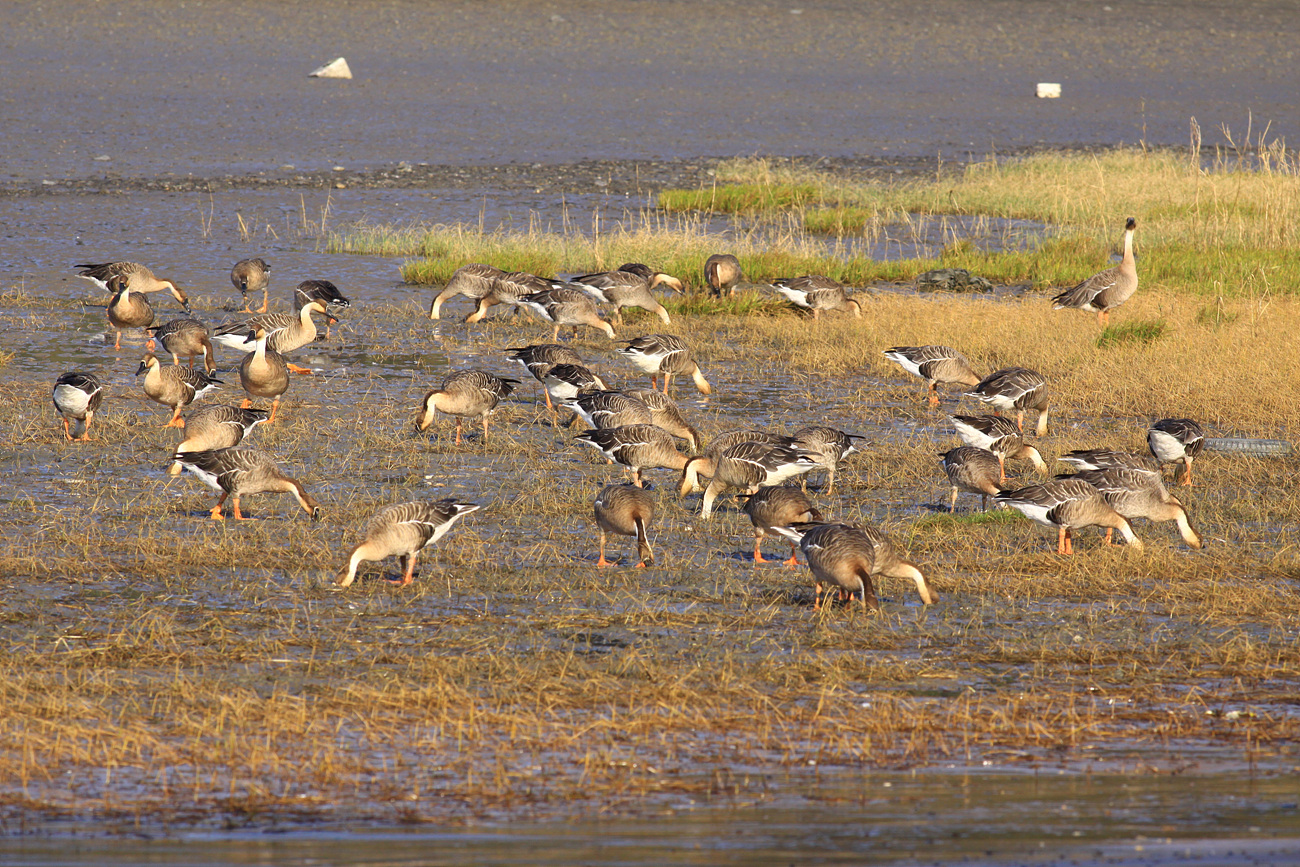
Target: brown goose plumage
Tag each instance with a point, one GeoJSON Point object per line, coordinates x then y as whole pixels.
{"type": "Point", "coordinates": [633, 287]}
{"type": "Point", "coordinates": [404, 530]}
{"type": "Point", "coordinates": [1177, 439]}
{"type": "Point", "coordinates": [1015, 389]}
{"type": "Point", "coordinates": [175, 386]}
{"type": "Point", "coordinates": [216, 426]}
{"type": "Point", "coordinates": [188, 337]}
{"type": "Point", "coordinates": [839, 556]}
{"type": "Point", "coordinates": [252, 275]}
{"type": "Point", "coordinates": [1140, 494]}
{"type": "Point", "coordinates": [974, 471]}
{"type": "Point", "coordinates": [637, 446]}
{"type": "Point", "coordinates": [828, 447]}
{"type": "Point", "coordinates": [239, 472]}
{"type": "Point", "coordinates": [665, 354]}
{"type": "Point", "coordinates": [77, 397]}
{"type": "Point", "coordinates": [567, 306]}
{"type": "Point", "coordinates": [1105, 290]}
{"type": "Point", "coordinates": [748, 466]}
{"type": "Point", "coordinates": [722, 273]}
{"type": "Point", "coordinates": [665, 413]}
{"type": "Point", "coordinates": [139, 278]}
{"type": "Point", "coordinates": [937, 365]}
{"type": "Point", "coordinates": [473, 281]}
{"type": "Point", "coordinates": [1000, 436]}
{"type": "Point", "coordinates": [817, 293]}
{"type": "Point", "coordinates": [777, 506]}
{"type": "Point", "coordinates": [126, 309]}
{"type": "Point", "coordinates": [1066, 505]}
{"type": "Point", "coordinates": [625, 510]}
{"type": "Point", "coordinates": [263, 373]}
{"type": "Point", "coordinates": [465, 393]}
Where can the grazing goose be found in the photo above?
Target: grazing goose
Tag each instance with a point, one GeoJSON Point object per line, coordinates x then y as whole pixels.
{"type": "Point", "coordinates": [539, 358]}
{"type": "Point", "coordinates": [508, 289]}
{"type": "Point", "coordinates": [817, 293]}
{"type": "Point", "coordinates": [126, 309]}
{"type": "Point", "coordinates": [285, 332]}
{"type": "Point", "coordinates": [1068, 504]}
{"type": "Point", "coordinates": [827, 446]}
{"type": "Point", "coordinates": [239, 472]}
{"type": "Point", "coordinates": [748, 466]}
{"type": "Point", "coordinates": [839, 555]}
{"type": "Point", "coordinates": [263, 373]}
{"type": "Point", "coordinates": [216, 426]}
{"type": "Point", "coordinates": [974, 471]}
{"type": "Point", "coordinates": [722, 273]}
{"type": "Point", "coordinates": [565, 306]}
{"type": "Point", "coordinates": [608, 409]}
{"type": "Point", "coordinates": [1177, 439]}
{"type": "Point", "coordinates": [706, 464]}
{"type": "Point", "coordinates": [133, 274]}
{"type": "Point", "coordinates": [175, 386]}
{"type": "Point", "coordinates": [320, 290]}
{"type": "Point", "coordinates": [1140, 494]}
{"type": "Point", "coordinates": [251, 275]}
{"type": "Point", "coordinates": [665, 413]}
{"type": "Point", "coordinates": [1105, 290]}
{"type": "Point", "coordinates": [1015, 388]}
{"type": "Point", "coordinates": [465, 393]}
{"type": "Point", "coordinates": [473, 281]}
{"type": "Point", "coordinates": [936, 365]}
{"type": "Point", "coordinates": [188, 337]}
{"type": "Point", "coordinates": [625, 510]}
{"type": "Point", "coordinates": [777, 506]}
{"type": "Point", "coordinates": [1105, 459]}
{"type": "Point", "coordinates": [630, 286]}
{"type": "Point", "coordinates": [637, 447]}
{"type": "Point", "coordinates": [1000, 436]}
{"type": "Point", "coordinates": [404, 530]}
{"type": "Point", "coordinates": [666, 354]}
{"type": "Point", "coordinates": [890, 563]}
{"type": "Point", "coordinates": [566, 381]}
{"type": "Point", "coordinates": [77, 396]}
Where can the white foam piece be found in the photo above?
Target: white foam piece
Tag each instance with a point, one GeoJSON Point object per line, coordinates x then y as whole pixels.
{"type": "Point", "coordinates": [336, 68]}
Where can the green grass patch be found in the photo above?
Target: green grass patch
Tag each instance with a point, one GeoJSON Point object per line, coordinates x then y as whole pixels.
{"type": "Point", "coordinates": [1135, 331]}
{"type": "Point", "coordinates": [743, 198]}
{"type": "Point", "coordinates": [939, 520]}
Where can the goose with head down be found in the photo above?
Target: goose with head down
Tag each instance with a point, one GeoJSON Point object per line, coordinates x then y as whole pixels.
{"type": "Point", "coordinates": [632, 285]}
{"type": "Point", "coordinates": [465, 394]}
{"type": "Point", "coordinates": [252, 275]}
{"type": "Point", "coordinates": [1174, 440]}
{"type": "Point", "coordinates": [817, 293]}
{"type": "Point", "coordinates": [77, 397]}
{"type": "Point", "coordinates": [1015, 389]}
{"type": "Point", "coordinates": [777, 506]}
{"type": "Point", "coordinates": [665, 354]}
{"type": "Point", "coordinates": [403, 530]}
{"type": "Point", "coordinates": [1067, 505]}
{"type": "Point", "coordinates": [1000, 436]}
{"type": "Point", "coordinates": [1140, 494]}
{"type": "Point", "coordinates": [239, 472]}
{"type": "Point", "coordinates": [748, 466]}
{"type": "Point", "coordinates": [625, 510]}
{"type": "Point", "coordinates": [937, 365]}
{"type": "Point", "coordinates": [636, 446]}
{"type": "Point", "coordinates": [473, 281]}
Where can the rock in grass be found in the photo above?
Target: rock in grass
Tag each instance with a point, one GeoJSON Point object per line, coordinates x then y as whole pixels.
{"type": "Point", "coordinates": [337, 68]}
{"type": "Point", "coordinates": [952, 280]}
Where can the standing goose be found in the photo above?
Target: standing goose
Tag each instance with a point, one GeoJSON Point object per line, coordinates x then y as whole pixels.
{"type": "Point", "coordinates": [285, 332]}
{"type": "Point", "coordinates": [608, 409]}
{"type": "Point", "coordinates": [1177, 439]}
{"type": "Point", "coordinates": [565, 306]}
{"type": "Point", "coordinates": [817, 293]}
{"type": "Point", "coordinates": [77, 396]}
{"type": "Point", "coordinates": [1068, 504]}
{"type": "Point", "coordinates": [706, 464]}
{"type": "Point", "coordinates": [263, 373]}
{"type": "Point", "coordinates": [473, 281]}
{"type": "Point", "coordinates": [828, 446]}
{"type": "Point", "coordinates": [404, 530]}
{"type": "Point", "coordinates": [636, 446]}
{"type": "Point", "coordinates": [777, 506]}
{"type": "Point", "coordinates": [974, 471]}
{"type": "Point", "coordinates": [889, 562]}
{"type": "Point", "coordinates": [539, 358]}
{"type": "Point", "coordinates": [133, 274]}
{"type": "Point", "coordinates": [566, 381]}
{"type": "Point", "coordinates": [324, 291]}
{"type": "Point", "coordinates": [630, 286]}
{"type": "Point", "coordinates": [126, 309]}
{"type": "Point", "coordinates": [625, 510]}
{"type": "Point", "coordinates": [216, 426]}
{"type": "Point", "coordinates": [1000, 436]}
{"type": "Point", "coordinates": [665, 413]}
{"type": "Point", "coordinates": [1105, 290]}
{"type": "Point", "coordinates": [473, 393]}
{"type": "Point", "coordinates": [722, 273]}
{"type": "Point", "coordinates": [1105, 459]}
{"type": "Point", "coordinates": [937, 365]}
{"type": "Point", "coordinates": [188, 337]}
{"type": "Point", "coordinates": [1018, 389]}
{"type": "Point", "coordinates": [239, 472]}
{"type": "Point", "coordinates": [175, 386]}
{"type": "Point", "coordinates": [666, 354]}
{"type": "Point", "coordinates": [840, 556]}
{"type": "Point", "coordinates": [251, 275]}
{"type": "Point", "coordinates": [1140, 494]}
{"type": "Point", "coordinates": [748, 466]}
{"type": "Point", "coordinates": [508, 289]}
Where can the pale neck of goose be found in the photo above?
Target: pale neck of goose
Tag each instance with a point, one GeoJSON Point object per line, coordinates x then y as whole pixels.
{"type": "Point", "coordinates": [693, 469]}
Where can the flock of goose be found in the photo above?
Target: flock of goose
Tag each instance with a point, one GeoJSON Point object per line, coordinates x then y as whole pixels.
{"type": "Point", "coordinates": [637, 428]}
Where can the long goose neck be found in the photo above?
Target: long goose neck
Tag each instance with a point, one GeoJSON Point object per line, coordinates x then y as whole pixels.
{"type": "Point", "coordinates": [365, 551]}
{"type": "Point", "coordinates": [1128, 263]}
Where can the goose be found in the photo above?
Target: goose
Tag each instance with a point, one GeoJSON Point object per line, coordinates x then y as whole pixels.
{"type": "Point", "coordinates": [216, 426]}
{"type": "Point", "coordinates": [285, 332]}
{"type": "Point", "coordinates": [539, 358]}
{"type": "Point", "coordinates": [176, 387]}
{"type": "Point", "coordinates": [1177, 439]}
{"type": "Point", "coordinates": [937, 365]}
{"type": "Point", "coordinates": [840, 556]}
{"type": "Point", "coordinates": [1015, 388]}
{"type": "Point", "coordinates": [828, 446]}
{"type": "Point", "coordinates": [251, 275]}
{"type": "Point", "coordinates": [1105, 290]}
{"type": "Point", "coordinates": [508, 289]}
{"type": "Point", "coordinates": [608, 409]}
{"type": "Point", "coordinates": [1000, 436]}
{"type": "Point", "coordinates": [238, 472]}
{"type": "Point", "coordinates": [188, 337]}
{"type": "Point", "coordinates": [666, 354]}
{"type": "Point", "coordinates": [1067, 505]}
{"type": "Point", "coordinates": [705, 464]}
{"type": "Point", "coordinates": [404, 530]}
{"type": "Point", "coordinates": [816, 293]}
{"type": "Point", "coordinates": [320, 290]}
{"type": "Point", "coordinates": [722, 273]}
{"type": "Point", "coordinates": [889, 562]}
{"type": "Point", "coordinates": [126, 309]}
{"type": "Point", "coordinates": [1105, 459]}
{"type": "Point", "coordinates": [565, 306]}
{"type": "Point", "coordinates": [473, 281]}
{"type": "Point", "coordinates": [77, 397]}
{"type": "Point", "coordinates": [665, 413]}
{"type": "Point", "coordinates": [636, 446]}
{"type": "Point", "coordinates": [465, 393]}
{"type": "Point", "coordinates": [1140, 494]}
{"type": "Point", "coordinates": [625, 510]}
{"type": "Point", "coordinates": [263, 373]}
{"type": "Point", "coordinates": [749, 466]}
{"type": "Point", "coordinates": [630, 286]}
{"type": "Point", "coordinates": [777, 506]}
{"type": "Point", "coordinates": [135, 275]}
{"type": "Point", "coordinates": [974, 471]}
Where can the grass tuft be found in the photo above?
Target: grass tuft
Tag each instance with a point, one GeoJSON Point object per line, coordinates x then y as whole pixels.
{"type": "Point", "coordinates": [1140, 331]}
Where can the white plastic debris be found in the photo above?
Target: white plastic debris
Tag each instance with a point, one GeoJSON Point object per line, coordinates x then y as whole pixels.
{"type": "Point", "coordinates": [1046, 90]}
{"type": "Point", "coordinates": [336, 68]}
